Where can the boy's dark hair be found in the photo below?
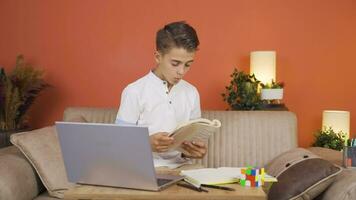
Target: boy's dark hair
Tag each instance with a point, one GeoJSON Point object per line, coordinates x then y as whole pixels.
{"type": "Point", "coordinates": [177, 34]}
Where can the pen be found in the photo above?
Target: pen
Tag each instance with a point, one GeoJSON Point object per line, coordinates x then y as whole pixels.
{"type": "Point", "coordinates": [204, 190]}
{"type": "Point", "coordinates": [192, 187]}
{"type": "Point", "coordinates": [218, 187]}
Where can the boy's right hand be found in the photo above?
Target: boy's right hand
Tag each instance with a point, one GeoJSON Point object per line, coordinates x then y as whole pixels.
{"type": "Point", "coordinates": [160, 142]}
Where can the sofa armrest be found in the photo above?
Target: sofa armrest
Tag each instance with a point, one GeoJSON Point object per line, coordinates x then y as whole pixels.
{"type": "Point", "coordinates": [19, 180]}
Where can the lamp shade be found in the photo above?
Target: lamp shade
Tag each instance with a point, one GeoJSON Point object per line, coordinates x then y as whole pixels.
{"type": "Point", "coordinates": [263, 65]}
{"type": "Point", "coordinates": [338, 120]}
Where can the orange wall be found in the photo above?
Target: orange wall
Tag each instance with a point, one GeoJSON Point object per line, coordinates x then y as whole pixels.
{"type": "Point", "coordinates": [91, 49]}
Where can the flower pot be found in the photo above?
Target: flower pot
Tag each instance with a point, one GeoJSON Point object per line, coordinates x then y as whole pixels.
{"type": "Point", "coordinates": [270, 94]}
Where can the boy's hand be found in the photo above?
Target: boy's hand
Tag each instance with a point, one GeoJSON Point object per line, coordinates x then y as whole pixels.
{"type": "Point", "coordinates": [195, 149]}
{"type": "Point", "coordinates": [160, 142]}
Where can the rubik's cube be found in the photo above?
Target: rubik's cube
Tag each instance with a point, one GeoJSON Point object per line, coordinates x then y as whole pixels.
{"type": "Point", "coordinates": [253, 177]}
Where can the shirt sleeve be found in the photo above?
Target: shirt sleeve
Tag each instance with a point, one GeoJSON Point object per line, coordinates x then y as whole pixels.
{"type": "Point", "coordinates": [129, 111]}
{"type": "Point", "coordinates": [196, 112]}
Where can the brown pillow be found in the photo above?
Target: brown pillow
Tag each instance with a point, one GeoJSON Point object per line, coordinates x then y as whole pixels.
{"type": "Point", "coordinates": [42, 149]}
{"type": "Point", "coordinates": [301, 175]}
{"type": "Point", "coordinates": [343, 188]}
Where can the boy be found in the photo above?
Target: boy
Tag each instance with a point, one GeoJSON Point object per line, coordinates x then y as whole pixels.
{"type": "Point", "coordinates": [161, 100]}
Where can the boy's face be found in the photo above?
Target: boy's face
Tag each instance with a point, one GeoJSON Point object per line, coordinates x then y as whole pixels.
{"type": "Point", "coordinates": [174, 64]}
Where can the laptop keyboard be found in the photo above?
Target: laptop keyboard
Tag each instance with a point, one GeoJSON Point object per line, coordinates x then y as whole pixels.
{"type": "Point", "coordinates": [162, 181]}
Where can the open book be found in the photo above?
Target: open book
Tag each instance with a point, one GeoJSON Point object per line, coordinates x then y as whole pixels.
{"type": "Point", "coordinates": [198, 129]}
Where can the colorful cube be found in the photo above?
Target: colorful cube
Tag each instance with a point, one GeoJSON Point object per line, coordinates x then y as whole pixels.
{"type": "Point", "coordinates": [252, 177]}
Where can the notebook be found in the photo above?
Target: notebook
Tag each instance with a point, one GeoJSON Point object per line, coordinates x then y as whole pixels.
{"type": "Point", "coordinates": [212, 176]}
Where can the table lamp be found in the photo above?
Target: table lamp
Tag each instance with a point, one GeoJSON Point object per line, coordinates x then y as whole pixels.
{"type": "Point", "coordinates": [263, 65]}
{"type": "Point", "coordinates": [338, 120]}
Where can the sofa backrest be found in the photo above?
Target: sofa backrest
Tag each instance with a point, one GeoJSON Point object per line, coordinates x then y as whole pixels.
{"type": "Point", "coordinates": [250, 137]}
{"type": "Point", "coordinates": [245, 137]}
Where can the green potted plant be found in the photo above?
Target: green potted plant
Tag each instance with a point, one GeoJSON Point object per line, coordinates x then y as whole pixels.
{"type": "Point", "coordinates": [242, 93]}
{"type": "Point", "coordinates": [272, 91]}
{"type": "Point", "coordinates": [18, 90]}
{"type": "Point", "coordinates": [328, 138]}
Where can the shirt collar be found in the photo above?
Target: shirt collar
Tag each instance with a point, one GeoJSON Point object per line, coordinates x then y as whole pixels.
{"type": "Point", "coordinates": [152, 76]}
{"type": "Point", "coordinates": [156, 79]}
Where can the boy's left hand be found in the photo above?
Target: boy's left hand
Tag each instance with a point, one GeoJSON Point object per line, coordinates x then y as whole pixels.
{"type": "Point", "coordinates": [195, 149]}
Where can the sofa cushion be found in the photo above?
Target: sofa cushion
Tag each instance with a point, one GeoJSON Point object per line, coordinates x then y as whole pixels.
{"type": "Point", "coordinates": [41, 147]}
{"type": "Point", "coordinates": [343, 188]}
{"type": "Point", "coordinates": [18, 180]}
{"type": "Point", "coordinates": [301, 175]}
{"type": "Point", "coordinates": [330, 155]}
{"type": "Point", "coordinates": [77, 118]}
{"type": "Point", "coordinates": [45, 196]}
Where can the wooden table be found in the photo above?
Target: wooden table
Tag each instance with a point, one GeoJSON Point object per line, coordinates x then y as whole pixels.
{"type": "Point", "coordinates": [173, 192]}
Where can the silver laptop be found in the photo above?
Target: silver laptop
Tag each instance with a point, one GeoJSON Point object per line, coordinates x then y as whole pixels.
{"type": "Point", "coordinates": [110, 155]}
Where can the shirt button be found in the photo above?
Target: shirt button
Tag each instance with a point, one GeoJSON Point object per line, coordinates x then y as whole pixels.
{"type": "Point", "coordinates": [166, 92]}
{"type": "Point", "coordinates": [164, 82]}
{"type": "Point", "coordinates": [170, 102]}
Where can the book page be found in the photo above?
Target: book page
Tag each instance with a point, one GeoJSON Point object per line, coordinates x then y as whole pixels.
{"type": "Point", "coordinates": [214, 122]}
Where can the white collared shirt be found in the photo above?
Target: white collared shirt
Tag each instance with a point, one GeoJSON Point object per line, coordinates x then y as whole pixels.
{"type": "Point", "coordinates": [148, 102]}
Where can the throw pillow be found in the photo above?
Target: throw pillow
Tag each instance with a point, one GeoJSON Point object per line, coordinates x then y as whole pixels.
{"type": "Point", "coordinates": [42, 149]}
{"type": "Point", "coordinates": [301, 175]}
{"type": "Point", "coordinates": [343, 188]}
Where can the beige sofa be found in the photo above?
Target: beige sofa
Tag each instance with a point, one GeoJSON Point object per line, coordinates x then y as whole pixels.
{"type": "Point", "coordinates": [245, 138]}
